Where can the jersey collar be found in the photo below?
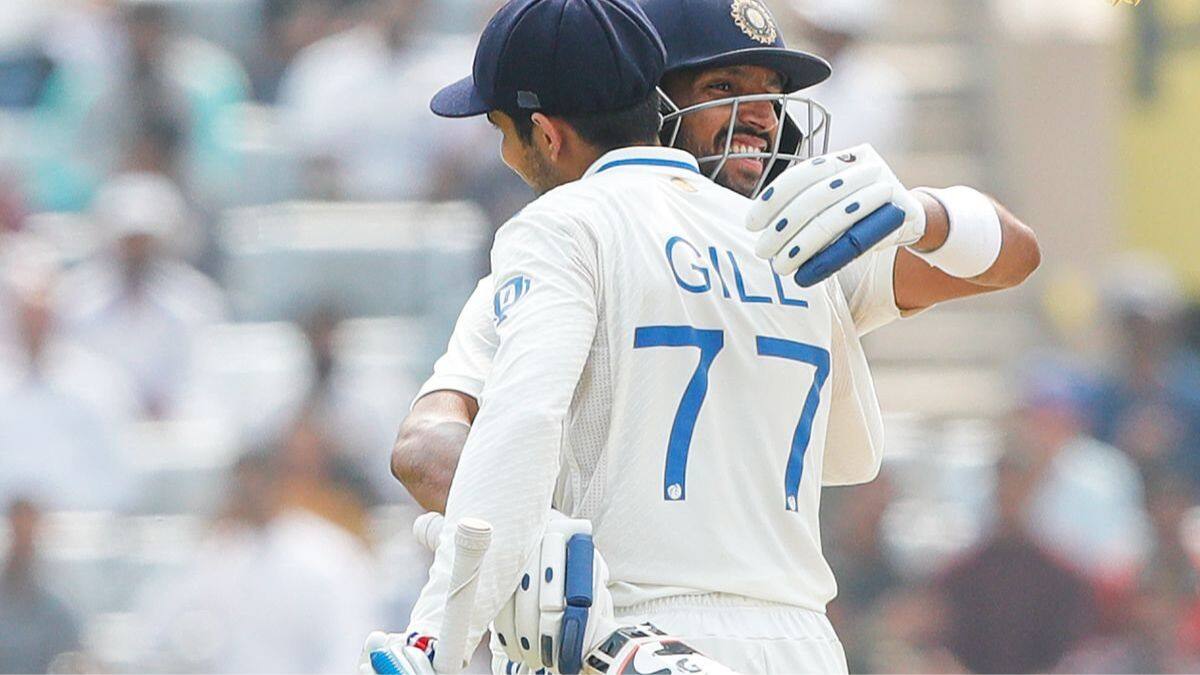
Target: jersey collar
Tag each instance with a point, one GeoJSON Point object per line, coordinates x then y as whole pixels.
{"type": "Point", "coordinates": [644, 157]}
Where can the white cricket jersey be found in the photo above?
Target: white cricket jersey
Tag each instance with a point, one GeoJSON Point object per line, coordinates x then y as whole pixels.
{"type": "Point", "coordinates": [653, 375]}
{"type": "Point", "coordinates": [868, 287]}
{"type": "Point", "coordinates": [867, 284]}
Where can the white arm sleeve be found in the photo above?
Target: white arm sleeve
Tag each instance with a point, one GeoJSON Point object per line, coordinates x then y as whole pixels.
{"type": "Point", "coordinates": [468, 357]}
{"type": "Point", "coordinates": [510, 463]}
{"type": "Point", "coordinates": [869, 286]}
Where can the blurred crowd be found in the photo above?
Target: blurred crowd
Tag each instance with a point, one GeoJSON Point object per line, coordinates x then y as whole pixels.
{"type": "Point", "coordinates": [1085, 554]}
{"type": "Point", "coordinates": [193, 483]}
{"type": "Point", "coordinates": [138, 385]}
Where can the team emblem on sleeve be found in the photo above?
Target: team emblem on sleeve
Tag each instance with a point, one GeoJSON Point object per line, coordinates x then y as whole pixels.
{"type": "Point", "coordinates": [755, 20]}
{"type": "Point", "coordinates": [508, 294]}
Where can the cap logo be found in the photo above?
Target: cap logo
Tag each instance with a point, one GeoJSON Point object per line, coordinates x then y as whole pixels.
{"type": "Point", "coordinates": [755, 21]}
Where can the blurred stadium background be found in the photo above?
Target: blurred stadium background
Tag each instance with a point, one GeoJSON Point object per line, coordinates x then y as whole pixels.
{"type": "Point", "coordinates": [232, 242]}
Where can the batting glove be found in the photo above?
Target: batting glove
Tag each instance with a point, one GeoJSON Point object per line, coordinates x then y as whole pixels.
{"type": "Point", "coordinates": [561, 608]}
{"type": "Point", "coordinates": [410, 654]}
{"type": "Point", "coordinates": [560, 617]}
{"type": "Point", "coordinates": [822, 214]}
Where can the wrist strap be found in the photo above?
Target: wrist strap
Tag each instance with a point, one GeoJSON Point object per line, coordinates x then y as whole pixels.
{"type": "Point", "coordinates": [973, 243]}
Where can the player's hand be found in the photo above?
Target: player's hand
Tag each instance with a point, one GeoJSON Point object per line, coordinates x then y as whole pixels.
{"type": "Point", "coordinates": [561, 615]}
{"type": "Point", "coordinates": [410, 654]}
{"type": "Point", "coordinates": [561, 608]}
{"type": "Point", "coordinates": [821, 214]}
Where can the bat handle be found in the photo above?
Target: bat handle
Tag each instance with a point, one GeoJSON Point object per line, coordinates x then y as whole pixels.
{"type": "Point", "coordinates": [471, 541]}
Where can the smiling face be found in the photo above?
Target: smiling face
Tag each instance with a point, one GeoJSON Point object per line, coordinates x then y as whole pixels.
{"type": "Point", "coordinates": [703, 132]}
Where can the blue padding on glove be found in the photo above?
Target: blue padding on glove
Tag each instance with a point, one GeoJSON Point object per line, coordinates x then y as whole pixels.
{"type": "Point", "coordinates": [577, 587]}
{"type": "Point", "coordinates": [570, 647]}
{"type": "Point", "coordinates": [383, 662]}
{"type": "Point", "coordinates": [853, 243]}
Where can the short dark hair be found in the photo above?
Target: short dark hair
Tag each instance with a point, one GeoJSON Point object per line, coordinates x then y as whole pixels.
{"type": "Point", "coordinates": [636, 125]}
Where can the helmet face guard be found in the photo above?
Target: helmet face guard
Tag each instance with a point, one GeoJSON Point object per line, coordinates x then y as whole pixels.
{"type": "Point", "coordinates": [803, 132]}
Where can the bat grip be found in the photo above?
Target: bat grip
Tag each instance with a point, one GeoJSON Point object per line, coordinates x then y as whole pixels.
{"type": "Point", "coordinates": [471, 541]}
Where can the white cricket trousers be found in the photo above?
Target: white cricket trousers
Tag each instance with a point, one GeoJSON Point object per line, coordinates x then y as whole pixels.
{"type": "Point", "coordinates": [749, 636]}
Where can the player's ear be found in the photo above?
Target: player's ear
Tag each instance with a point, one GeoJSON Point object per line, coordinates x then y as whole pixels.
{"type": "Point", "coordinates": [549, 134]}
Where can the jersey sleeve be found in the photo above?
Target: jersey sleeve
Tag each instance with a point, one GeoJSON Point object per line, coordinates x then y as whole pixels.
{"type": "Point", "coordinates": [869, 287]}
{"type": "Point", "coordinates": [544, 305]}
{"type": "Point", "coordinates": [854, 436]}
{"type": "Point", "coordinates": [468, 357]}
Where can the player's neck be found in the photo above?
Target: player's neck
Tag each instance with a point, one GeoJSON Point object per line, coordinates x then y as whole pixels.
{"type": "Point", "coordinates": [594, 154]}
{"type": "Point", "coordinates": [572, 166]}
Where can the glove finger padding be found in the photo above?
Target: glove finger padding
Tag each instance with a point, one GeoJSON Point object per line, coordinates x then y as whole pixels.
{"type": "Point", "coordinates": [554, 575]}
{"type": "Point", "coordinates": [789, 184]}
{"type": "Point", "coordinates": [551, 601]}
{"type": "Point", "coordinates": [505, 628]}
{"type": "Point", "coordinates": [530, 623]}
{"type": "Point", "coordinates": [828, 225]}
{"type": "Point", "coordinates": [527, 617]}
{"type": "Point", "coordinates": [799, 212]}
{"type": "Point", "coordinates": [579, 589]}
{"type": "Point", "coordinates": [853, 243]}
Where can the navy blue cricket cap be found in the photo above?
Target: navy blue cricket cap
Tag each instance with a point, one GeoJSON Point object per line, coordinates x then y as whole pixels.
{"type": "Point", "coordinates": [561, 57]}
{"type": "Point", "coordinates": [717, 33]}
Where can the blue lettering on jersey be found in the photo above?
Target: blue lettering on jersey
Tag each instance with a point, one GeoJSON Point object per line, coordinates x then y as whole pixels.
{"type": "Point", "coordinates": [741, 285]}
{"type": "Point", "coordinates": [712, 255]}
{"type": "Point", "coordinates": [784, 299]}
{"type": "Point", "coordinates": [694, 274]}
{"type": "Point", "coordinates": [508, 294]}
{"type": "Point", "coordinates": [694, 288]}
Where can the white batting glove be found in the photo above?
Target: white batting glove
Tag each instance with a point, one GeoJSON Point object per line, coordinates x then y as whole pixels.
{"type": "Point", "coordinates": [560, 618]}
{"type": "Point", "coordinates": [561, 608]}
{"type": "Point", "coordinates": [826, 211]}
{"type": "Point", "coordinates": [396, 653]}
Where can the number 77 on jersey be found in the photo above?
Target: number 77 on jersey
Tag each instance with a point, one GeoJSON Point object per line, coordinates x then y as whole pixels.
{"type": "Point", "coordinates": [710, 342]}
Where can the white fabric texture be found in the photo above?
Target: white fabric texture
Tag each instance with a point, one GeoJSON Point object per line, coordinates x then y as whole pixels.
{"type": "Point", "coordinates": [854, 439]}
{"type": "Point", "coordinates": [854, 446]}
{"type": "Point", "coordinates": [747, 636]}
{"type": "Point", "coordinates": [976, 235]}
{"type": "Point", "coordinates": [569, 392]}
{"type": "Point", "coordinates": [869, 286]}
{"type": "Point", "coordinates": [468, 357]}
{"type": "Point", "coordinates": [509, 466]}
{"type": "Point", "coordinates": [744, 635]}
